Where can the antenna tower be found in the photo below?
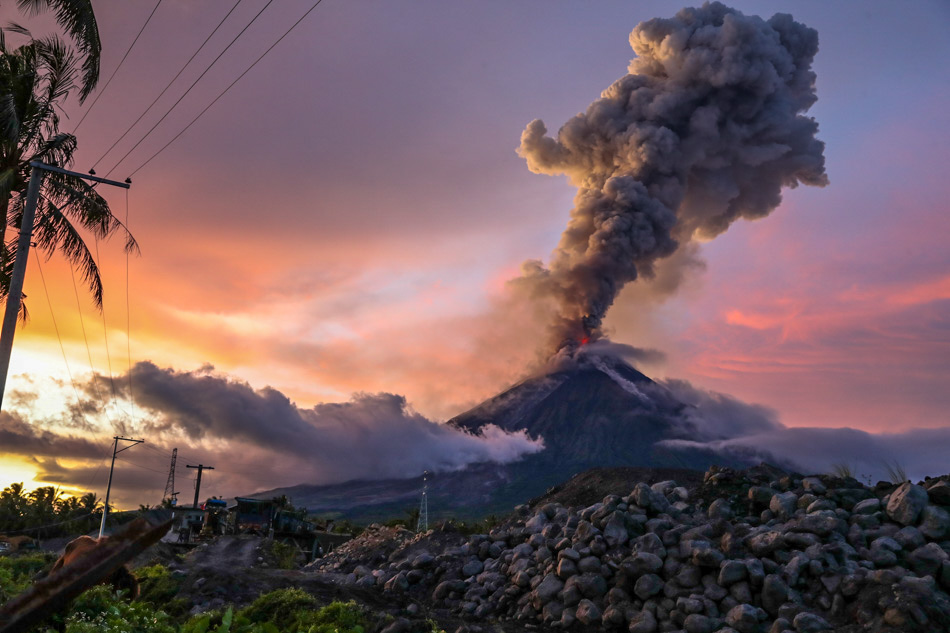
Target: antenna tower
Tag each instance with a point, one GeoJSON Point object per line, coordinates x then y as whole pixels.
{"type": "Point", "coordinates": [423, 524]}
{"type": "Point", "coordinates": [170, 486]}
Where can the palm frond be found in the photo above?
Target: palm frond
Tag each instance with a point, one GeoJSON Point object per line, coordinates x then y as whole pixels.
{"type": "Point", "coordinates": [54, 232]}
{"type": "Point", "coordinates": [79, 20]}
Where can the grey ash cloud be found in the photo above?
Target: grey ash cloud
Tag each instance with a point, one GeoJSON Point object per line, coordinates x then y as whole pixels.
{"type": "Point", "coordinates": [707, 127]}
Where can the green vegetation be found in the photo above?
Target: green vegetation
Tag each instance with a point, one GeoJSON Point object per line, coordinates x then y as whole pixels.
{"type": "Point", "coordinates": [157, 610]}
{"type": "Point", "coordinates": [46, 513]}
{"type": "Point", "coordinates": [159, 588]}
{"type": "Point", "coordinates": [285, 555]}
{"type": "Point", "coordinates": [16, 572]}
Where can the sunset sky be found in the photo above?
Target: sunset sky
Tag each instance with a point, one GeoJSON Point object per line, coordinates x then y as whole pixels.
{"type": "Point", "coordinates": [344, 220]}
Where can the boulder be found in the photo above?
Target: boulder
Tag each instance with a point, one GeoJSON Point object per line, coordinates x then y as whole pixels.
{"type": "Point", "coordinates": [906, 503]}
{"type": "Point", "coordinates": [806, 622]}
{"type": "Point", "coordinates": [934, 522]}
{"type": "Point", "coordinates": [744, 618]}
{"type": "Point", "coordinates": [647, 586]}
{"type": "Point", "coordinates": [940, 493]}
{"type": "Point", "coordinates": [588, 613]}
{"type": "Point", "coordinates": [643, 622]}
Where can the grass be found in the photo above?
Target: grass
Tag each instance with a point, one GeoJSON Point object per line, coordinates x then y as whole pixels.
{"type": "Point", "coordinates": [895, 472]}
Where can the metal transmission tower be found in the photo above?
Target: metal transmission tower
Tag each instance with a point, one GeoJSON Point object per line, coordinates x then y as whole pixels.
{"type": "Point", "coordinates": [170, 492]}
{"type": "Point", "coordinates": [423, 524]}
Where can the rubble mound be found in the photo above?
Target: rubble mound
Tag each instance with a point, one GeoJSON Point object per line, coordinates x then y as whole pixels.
{"type": "Point", "coordinates": [744, 551]}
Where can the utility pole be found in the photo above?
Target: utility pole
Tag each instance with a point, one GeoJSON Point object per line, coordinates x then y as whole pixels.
{"type": "Point", "coordinates": [115, 445]}
{"type": "Point", "coordinates": [15, 295]}
{"type": "Point", "coordinates": [200, 468]}
{"type": "Point", "coordinates": [170, 484]}
{"type": "Point", "coordinates": [423, 524]}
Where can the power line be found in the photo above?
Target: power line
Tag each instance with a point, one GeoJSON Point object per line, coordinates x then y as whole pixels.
{"type": "Point", "coordinates": [169, 85]}
{"type": "Point", "coordinates": [194, 83]}
{"type": "Point", "coordinates": [208, 107]}
{"type": "Point", "coordinates": [105, 334]}
{"type": "Point", "coordinates": [122, 61]}
{"type": "Point", "coordinates": [60, 339]}
{"type": "Point", "coordinates": [128, 311]}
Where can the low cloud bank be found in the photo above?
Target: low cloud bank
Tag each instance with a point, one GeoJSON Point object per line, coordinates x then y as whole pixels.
{"type": "Point", "coordinates": [372, 436]}
{"type": "Point", "coordinates": [733, 428]}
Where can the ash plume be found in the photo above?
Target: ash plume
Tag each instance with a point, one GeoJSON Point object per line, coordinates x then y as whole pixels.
{"type": "Point", "coordinates": [706, 128]}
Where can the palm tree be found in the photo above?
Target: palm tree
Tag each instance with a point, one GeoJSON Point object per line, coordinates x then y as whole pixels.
{"type": "Point", "coordinates": [77, 18]}
{"type": "Point", "coordinates": [34, 79]}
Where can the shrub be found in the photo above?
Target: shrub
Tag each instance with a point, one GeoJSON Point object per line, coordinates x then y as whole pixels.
{"type": "Point", "coordinates": [279, 607]}
{"type": "Point", "coordinates": [101, 610]}
{"type": "Point", "coordinates": [158, 587]}
{"type": "Point", "coordinates": [285, 555]}
{"type": "Point", "coordinates": [17, 571]}
{"type": "Point", "coordinates": [336, 617]}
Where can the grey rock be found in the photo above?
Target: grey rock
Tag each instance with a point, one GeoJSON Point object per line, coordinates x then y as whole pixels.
{"type": "Point", "coordinates": [588, 613]}
{"type": "Point", "coordinates": [731, 571]}
{"type": "Point", "coordinates": [720, 509]}
{"type": "Point", "coordinates": [868, 506]}
{"type": "Point", "coordinates": [696, 623]}
{"type": "Point", "coordinates": [765, 543]}
{"type": "Point", "coordinates": [744, 618]}
{"type": "Point", "coordinates": [783, 505]}
{"type": "Point", "coordinates": [472, 568]}
{"type": "Point", "coordinates": [423, 561]}
{"type": "Point", "coordinates": [536, 523]}
{"type": "Point", "coordinates": [760, 496]}
{"type": "Point", "coordinates": [934, 522]}
{"type": "Point", "coordinates": [566, 568]}
{"type": "Point", "coordinates": [906, 503]}
{"type": "Point", "coordinates": [927, 559]}
{"type": "Point", "coordinates": [940, 493]}
{"type": "Point", "coordinates": [399, 625]}
{"type": "Point", "coordinates": [591, 585]}
{"type": "Point", "coordinates": [570, 553]}
{"type": "Point", "coordinates": [774, 593]}
{"type": "Point", "coordinates": [552, 611]}
{"type": "Point", "coordinates": [643, 622]}
{"type": "Point", "coordinates": [814, 485]}
{"type": "Point", "coordinates": [806, 622]}
{"type": "Point", "coordinates": [644, 563]}
{"type": "Point", "coordinates": [703, 554]}
{"type": "Point", "coordinates": [647, 586]}
{"type": "Point", "coordinates": [909, 538]}
{"type": "Point", "coordinates": [615, 530]}
{"type": "Point", "coordinates": [589, 564]}
{"type": "Point", "coordinates": [548, 588]}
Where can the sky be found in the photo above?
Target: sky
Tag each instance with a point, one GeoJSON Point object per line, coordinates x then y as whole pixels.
{"type": "Point", "coordinates": [330, 243]}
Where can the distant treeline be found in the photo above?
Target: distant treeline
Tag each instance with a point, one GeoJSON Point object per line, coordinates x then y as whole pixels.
{"type": "Point", "coordinates": [47, 513]}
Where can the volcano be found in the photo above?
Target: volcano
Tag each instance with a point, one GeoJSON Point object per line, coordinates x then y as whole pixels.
{"type": "Point", "coordinates": [592, 411]}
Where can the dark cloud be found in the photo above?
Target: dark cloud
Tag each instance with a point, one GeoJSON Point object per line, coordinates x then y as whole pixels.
{"type": "Point", "coordinates": [18, 437]}
{"type": "Point", "coordinates": [752, 432]}
{"type": "Point", "coordinates": [705, 129]}
{"type": "Point", "coordinates": [371, 436]}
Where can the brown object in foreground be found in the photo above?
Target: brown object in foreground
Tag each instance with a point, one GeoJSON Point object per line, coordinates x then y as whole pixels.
{"type": "Point", "coordinates": [76, 549]}
{"type": "Point", "coordinates": [95, 563]}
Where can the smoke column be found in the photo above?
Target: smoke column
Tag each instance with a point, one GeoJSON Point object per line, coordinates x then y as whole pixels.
{"type": "Point", "coordinates": [706, 128]}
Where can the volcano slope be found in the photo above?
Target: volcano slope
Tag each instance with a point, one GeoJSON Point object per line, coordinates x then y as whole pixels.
{"type": "Point", "coordinates": [595, 412]}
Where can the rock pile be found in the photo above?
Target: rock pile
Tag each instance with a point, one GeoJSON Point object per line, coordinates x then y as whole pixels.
{"type": "Point", "coordinates": [773, 552]}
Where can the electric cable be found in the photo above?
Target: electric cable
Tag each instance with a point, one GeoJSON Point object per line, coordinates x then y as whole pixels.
{"type": "Point", "coordinates": [231, 85]}
{"type": "Point", "coordinates": [122, 61]}
{"type": "Point", "coordinates": [193, 84]}
{"type": "Point", "coordinates": [60, 339]}
{"type": "Point", "coordinates": [128, 311]}
{"type": "Point", "coordinates": [169, 85]}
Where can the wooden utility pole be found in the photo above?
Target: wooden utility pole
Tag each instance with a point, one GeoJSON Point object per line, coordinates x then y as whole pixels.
{"type": "Point", "coordinates": [200, 468]}
{"type": "Point", "coordinates": [15, 294]}
{"type": "Point", "coordinates": [115, 445]}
